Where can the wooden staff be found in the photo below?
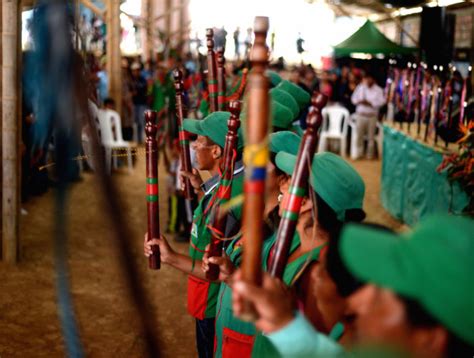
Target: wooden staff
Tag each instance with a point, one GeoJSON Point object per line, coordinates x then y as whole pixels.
{"type": "Point", "coordinates": [298, 185]}
{"type": "Point", "coordinates": [437, 112]}
{"type": "Point", "coordinates": [463, 96]}
{"type": "Point", "coordinates": [410, 97]}
{"type": "Point", "coordinates": [449, 119]}
{"type": "Point", "coordinates": [225, 187]}
{"type": "Point", "coordinates": [221, 85]}
{"type": "Point", "coordinates": [211, 70]}
{"type": "Point", "coordinates": [152, 186]}
{"type": "Point", "coordinates": [184, 155]}
{"type": "Point", "coordinates": [428, 115]}
{"type": "Point", "coordinates": [237, 95]}
{"type": "Point", "coordinates": [255, 158]}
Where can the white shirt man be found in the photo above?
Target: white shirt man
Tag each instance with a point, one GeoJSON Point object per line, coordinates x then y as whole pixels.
{"type": "Point", "coordinates": [368, 97]}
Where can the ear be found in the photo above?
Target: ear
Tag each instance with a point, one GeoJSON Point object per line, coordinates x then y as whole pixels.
{"type": "Point", "coordinates": [432, 340]}
{"type": "Point", "coordinates": [306, 205]}
{"type": "Point", "coordinates": [216, 152]}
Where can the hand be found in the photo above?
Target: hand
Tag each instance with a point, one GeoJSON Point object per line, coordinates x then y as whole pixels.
{"type": "Point", "coordinates": [365, 103]}
{"type": "Point", "coordinates": [194, 179]}
{"type": "Point", "coordinates": [167, 254]}
{"type": "Point", "coordinates": [273, 301]}
{"type": "Point", "coordinates": [226, 268]}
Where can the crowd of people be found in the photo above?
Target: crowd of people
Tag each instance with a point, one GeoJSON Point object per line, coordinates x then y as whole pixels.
{"type": "Point", "coordinates": [349, 287]}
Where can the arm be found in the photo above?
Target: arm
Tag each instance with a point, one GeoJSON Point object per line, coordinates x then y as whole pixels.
{"type": "Point", "coordinates": [291, 334]}
{"type": "Point", "coordinates": [174, 259]}
{"type": "Point", "coordinates": [379, 99]}
{"type": "Point", "coordinates": [195, 181]}
{"type": "Point", "coordinates": [356, 96]}
{"type": "Point", "coordinates": [300, 339]}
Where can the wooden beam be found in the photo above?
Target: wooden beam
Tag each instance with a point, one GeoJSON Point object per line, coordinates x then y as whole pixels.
{"type": "Point", "coordinates": [11, 127]}
{"type": "Point", "coordinates": [170, 10]}
{"type": "Point", "coordinates": [114, 56]}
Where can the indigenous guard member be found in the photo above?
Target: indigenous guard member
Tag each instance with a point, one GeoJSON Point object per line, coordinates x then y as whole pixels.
{"type": "Point", "coordinates": [202, 294]}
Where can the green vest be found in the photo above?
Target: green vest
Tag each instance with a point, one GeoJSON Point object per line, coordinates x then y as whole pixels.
{"type": "Point", "coordinates": [234, 333]}
{"type": "Point", "coordinates": [230, 329]}
{"type": "Point", "coordinates": [202, 294]}
{"type": "Point", "coordinates": [262, 346]}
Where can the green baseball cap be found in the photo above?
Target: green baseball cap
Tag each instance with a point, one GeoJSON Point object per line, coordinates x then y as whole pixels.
{"type": "Point", "coordinates": [335, 180]}
{"type": "Point", "coordinates": [300, 95]}
{"type": "Point", "coordinates": [432, 264]}
{"type": "Point", "coordinates": [281, 115]}
{"type": "Point", "coordinates": [274, 77]}
{"type": "Point", "coordinates": [285, 99]}
{"type": "Point", "coordinates": [214, 126]}
{"type": "Point", "coordinates": [285, 141]}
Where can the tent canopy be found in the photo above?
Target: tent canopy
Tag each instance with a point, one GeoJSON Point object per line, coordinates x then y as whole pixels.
{"type": "Point", "coordinates": [368, 39]}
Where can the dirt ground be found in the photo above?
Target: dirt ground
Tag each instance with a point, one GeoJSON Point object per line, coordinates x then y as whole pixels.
{"type": "Point", "coordinates": [29, 326]}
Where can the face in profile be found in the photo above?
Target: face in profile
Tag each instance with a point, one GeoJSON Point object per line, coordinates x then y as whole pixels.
{"type": "Point", "coordinates": [379, 318]}
{"type": "Point", "coordinates": [206, 152]}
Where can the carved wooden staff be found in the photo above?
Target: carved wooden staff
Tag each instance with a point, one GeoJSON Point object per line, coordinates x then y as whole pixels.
{"type": "Point", "coordinates": [225, 187]}
{"type": "Point", "coordinates": [237, 95]}
{"type": "Point", "coordinates": [255, 158]}
{"type": "Point", "coordinates": [185, 157]}
{"type": "Point", "coordinates": [298, 185]}
{"type": "Point", "coordinates": [221, 85]}
{"type": "Point", "coordinates": [152, 186]}
{"type": "Point", "coordinates": [211, 70]}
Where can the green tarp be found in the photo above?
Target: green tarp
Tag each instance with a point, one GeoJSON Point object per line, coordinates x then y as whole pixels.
{"type": "Point", "coordinates": [369, 40]}
{"type": "Point", "coordinates": [411, 187]}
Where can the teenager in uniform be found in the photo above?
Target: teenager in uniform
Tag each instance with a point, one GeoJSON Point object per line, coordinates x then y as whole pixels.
{"type": "Point", "coordinates": [339, 191]}
{"type": "Point", "coordinates": [234, 338]}
{"type": "Point", "coordinates": [202, 294]}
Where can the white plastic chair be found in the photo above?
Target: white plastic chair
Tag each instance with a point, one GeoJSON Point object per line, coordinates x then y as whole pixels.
{"type": "Point", "coordinates": [378, 138]}
{"type": "Point", "coordinates": [107, 119]}
{"type": "Point", "coordinates": [335, 124]}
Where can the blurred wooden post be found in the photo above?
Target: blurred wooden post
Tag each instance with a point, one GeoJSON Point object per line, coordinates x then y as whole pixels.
{"type": "Point", "coordinates": [114, 57]}
{"type": "Point", "coordinates": [255, 160]}
{"type": "Point", "coordinates": [182, 25]}
{"type": "Point", "coordinates": [10, 24]}
{"type": "Point", "coordinates": [168, 4]}
{"type": "Point", "coordinates": [148, 12]}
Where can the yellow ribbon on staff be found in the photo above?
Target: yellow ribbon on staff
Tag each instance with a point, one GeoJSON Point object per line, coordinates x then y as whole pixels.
{"type": "Point", "coordinates": [256, 155]}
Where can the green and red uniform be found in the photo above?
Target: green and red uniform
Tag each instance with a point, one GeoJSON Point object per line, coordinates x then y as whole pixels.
{"type": "Point", "coordinates": [236, 338]}
{"type": "Point", "coordinates": [202, 294]}
{"type": "Point", "coordinates": [263, 347]}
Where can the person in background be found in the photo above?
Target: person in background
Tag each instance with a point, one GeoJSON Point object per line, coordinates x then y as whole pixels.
{"type": "Point", "coordinates": [368, 97]}
{"type": "Point", "coordinates": [103, 81]}
{"type": "Point", "coordinates": [159, 92]}
{"type": "Point", "coordinates": [139, 98]}
{"type": "Point", "coordinates": [236, 36]}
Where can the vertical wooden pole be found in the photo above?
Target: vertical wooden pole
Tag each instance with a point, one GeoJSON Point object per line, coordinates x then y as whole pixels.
{"type": "Point", "coordinates": [255, 160]}
{"type": "Point", "coordinates": [114, 57]}
{"type": "Point", "coordinates": [148, 17]}
{"type": "Point", "coordinates": [168, 4]}
{"type": "Point", "coordinates": [182, 24]}
{"type": "Point", "coordinates": [152, 200]}
{"type": "Point", "coordinates": [211, 70]}
{"type": "Point", "coordinates": [10, 103]}
{"type": "Point", "coordinates": [221, 84]}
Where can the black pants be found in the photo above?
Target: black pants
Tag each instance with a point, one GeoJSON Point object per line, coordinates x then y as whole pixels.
{"type": "Point", "coordinates": [205, 330]}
